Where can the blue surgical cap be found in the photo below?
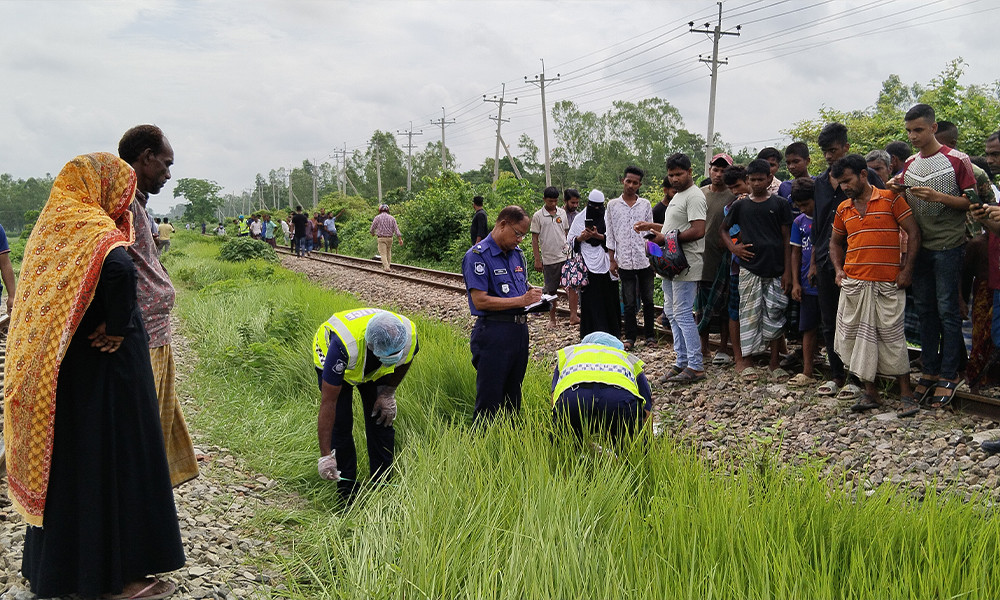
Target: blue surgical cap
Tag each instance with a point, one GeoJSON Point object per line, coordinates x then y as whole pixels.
{"type": "Point", "coordinates": [387, 336]}
{"type": "Point", "coordinates": [604, 339]}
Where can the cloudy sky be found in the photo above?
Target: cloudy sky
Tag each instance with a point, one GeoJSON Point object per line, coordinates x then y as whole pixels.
{"type": "Point", "coordinates": [247, 86]}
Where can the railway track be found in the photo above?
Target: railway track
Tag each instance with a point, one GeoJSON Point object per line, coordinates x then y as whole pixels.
{"type": "Point", "coordinates": [977, 404]}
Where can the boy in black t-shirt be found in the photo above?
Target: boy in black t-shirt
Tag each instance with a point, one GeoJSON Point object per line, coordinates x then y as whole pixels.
{"type": "Point", "coordinates": [765, 259]}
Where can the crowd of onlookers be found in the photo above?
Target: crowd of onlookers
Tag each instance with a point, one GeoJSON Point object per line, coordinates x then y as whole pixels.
{"type": "Point", "coordinates": [886, 249]}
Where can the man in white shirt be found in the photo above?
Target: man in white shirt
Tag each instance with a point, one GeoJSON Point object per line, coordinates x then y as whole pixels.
{"type": "Point", "coordinates": [627, 253]}
{"type": "Point", "coordinates": [686, 214]}
{"type": "Point", "coordinates": [549, 225]}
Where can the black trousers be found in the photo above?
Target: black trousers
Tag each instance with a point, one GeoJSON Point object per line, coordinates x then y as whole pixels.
{"type": "Point", "coordinates": [829, 298]}
{"type": "Point", "coordinates": [500, 356]}
{"type": "Point", "coordinates": [638, 282]}
{"type": "Point", "coordinates": [381, 440]}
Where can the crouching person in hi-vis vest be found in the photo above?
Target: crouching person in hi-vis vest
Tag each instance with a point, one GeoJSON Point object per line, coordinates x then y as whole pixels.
{"type": "Point", "coordinates": [599, 385]}
{"type": "Point", "coordinates": [369, 349]}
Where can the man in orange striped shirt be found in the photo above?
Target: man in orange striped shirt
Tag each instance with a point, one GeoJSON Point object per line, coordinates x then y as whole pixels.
{"type": "Point", "coordinates": [864, 250]}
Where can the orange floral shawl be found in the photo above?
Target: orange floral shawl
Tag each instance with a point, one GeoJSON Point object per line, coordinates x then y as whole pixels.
{"type": "Point", "coordinates": [85, 217]}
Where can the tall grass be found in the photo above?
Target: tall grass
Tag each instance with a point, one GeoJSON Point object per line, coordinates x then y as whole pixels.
{"type": "Point", "coordinates": [507, 512]}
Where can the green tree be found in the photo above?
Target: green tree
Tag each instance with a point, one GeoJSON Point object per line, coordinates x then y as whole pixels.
{"type": "Point", "coordinates": [17, 196]}
{"type": "Point", "coordinates": [362, 165]}
{"type": "Point", "coordinates": [202, 198]}
{"type": "Point", "coordinates": [975, 109]}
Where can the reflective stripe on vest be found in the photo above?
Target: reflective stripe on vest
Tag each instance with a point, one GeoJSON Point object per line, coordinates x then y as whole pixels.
{"type": "Point", "coordinates": [244, 227]}
{"type": "Point", "coordinates": [349, 326]}
{"type": "Point", "coordinates": [594, 363]}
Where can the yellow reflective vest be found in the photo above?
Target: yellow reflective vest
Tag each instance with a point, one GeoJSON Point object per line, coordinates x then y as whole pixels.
{"type": "Point", "coordinates": [349, 326]}
{"type": "Point", "coordinates": [244, 227]}
{"type": "Point", "coordinates": [595, 363]}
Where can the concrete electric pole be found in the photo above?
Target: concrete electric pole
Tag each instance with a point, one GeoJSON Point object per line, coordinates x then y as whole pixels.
{"type": "Point", "coordinates": [378, 170]}
{"type": "Point", "coordinates": [442, 122]}
{"type": "Point", "coordinates": [409, 152]}
{"type": "Point", "coordinates": [500, 120]}
{"type": "Point", "coordinates": [714, 63]}
{"type": "Point", "coordinates": [540, 81]}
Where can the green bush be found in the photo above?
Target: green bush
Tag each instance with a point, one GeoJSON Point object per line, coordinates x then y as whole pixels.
{"type": "Point", "coordinates": [244, 248]}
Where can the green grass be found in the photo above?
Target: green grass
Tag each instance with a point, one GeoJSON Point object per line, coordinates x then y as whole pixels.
{"type": "Point", "coordinates": [508, 513]}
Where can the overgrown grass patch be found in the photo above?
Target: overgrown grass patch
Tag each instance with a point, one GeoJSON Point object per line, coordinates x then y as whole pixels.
{"type": "Point", "coordinates": [507, 512]}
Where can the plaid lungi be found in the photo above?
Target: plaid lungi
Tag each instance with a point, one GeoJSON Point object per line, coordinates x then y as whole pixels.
{"type": "Point", "coordinates": [869, 337]}
{"type": "Point", "coordinates": [762, 311]}
{"type": "Point", "coordinates": [180, 449]}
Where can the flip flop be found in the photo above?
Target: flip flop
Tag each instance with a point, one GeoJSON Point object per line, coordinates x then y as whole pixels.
{"type": "Point", "coordinates": [849, 392]}
{"type": "Point", "coordinates": [801, 380]}
{"type": "Point", "coordinates": [628, 344]}
{"type": "Point", "coordinates": [827, 389]}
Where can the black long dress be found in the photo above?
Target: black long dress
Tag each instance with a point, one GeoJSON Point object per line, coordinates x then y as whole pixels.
{"type": "Point", "coordinates": [109, 511]}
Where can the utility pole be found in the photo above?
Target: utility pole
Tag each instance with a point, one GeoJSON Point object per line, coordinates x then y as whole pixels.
{"type": "Point", "coordinates": [409, 151]}
{"type": "Point", "coordinates": [315, 192]}
{"type": "Point", "coordinates": [290, 189]}
{"type": "Point", "coordinates": [500, 120]}
{"type": "Point", "coordinates": [513, 164]}
{"type": "Point", "coordinates": [340, 157]}
{"type": "Point", "coordinates": [343, 167]}
{"type": "Point", "coordinates": [442, 122]}
{"type": "Point", "coordinates": [714, 63]}
{"type": "Point", "coordinates": [378, 170]}
{"type": "Point", "coordinates": [540, 81]}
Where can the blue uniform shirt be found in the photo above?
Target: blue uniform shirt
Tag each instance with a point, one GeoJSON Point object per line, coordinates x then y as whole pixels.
{"type": "Point", "coordinates": [500, 274]}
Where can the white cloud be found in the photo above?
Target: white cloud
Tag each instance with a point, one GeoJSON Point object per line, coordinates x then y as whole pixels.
{"type": "Point", "coordinates": [244, 87]}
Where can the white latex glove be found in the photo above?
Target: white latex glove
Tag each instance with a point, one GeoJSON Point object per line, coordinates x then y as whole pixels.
{"type": "Point", "coordinates": [327, 467]}
{"type": "Point", "coordinates": [385, 406]}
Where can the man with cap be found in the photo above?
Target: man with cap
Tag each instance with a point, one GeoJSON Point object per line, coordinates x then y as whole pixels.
{"type": "Point", "coordinates": [597, 381]}
{"type": "Point", "coordinates": [498, 293]}
{"type": "Point", "coordinates": [370, 349]}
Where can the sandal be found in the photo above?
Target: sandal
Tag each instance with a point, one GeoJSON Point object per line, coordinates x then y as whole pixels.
{"type": "Point", "coordinates": [942, 400]}
{"type": "Point", "coordinates": [802, 380]}
{"type": "Point", "coordinates": [910, 407]}
{"type": "Point", "coordinates": [828, 389]}
{"type": "Point", "coordinates": [749, 375]}
{"type": "Point", "coordinates": [849, 392]}
{"type": "Point", "coordinates": [777, 375]}
{"type": "Point", "coordinates": [687, 376]}
{"type": "Point", "coordinates": [156, 590]}
{"type": "Point", "coordinates": [721, 359]}
{"type": "Point", "coordinates": [673, 371]}
{"type": "Point", "coordinates": [866, 403]}
{"type": "Point", "coordinates": [928, 384]}
{"type": "Point", "coordinates": [628, 344]}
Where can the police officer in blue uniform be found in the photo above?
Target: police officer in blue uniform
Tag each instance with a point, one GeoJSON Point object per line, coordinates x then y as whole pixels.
{"type": "Point", "coordinates": [498, 292]}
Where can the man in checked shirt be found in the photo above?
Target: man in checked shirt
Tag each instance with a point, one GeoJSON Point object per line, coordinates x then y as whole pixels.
{"type": "Point", "coordinates": [627, 252]}
{"type": "Point", "coordinates": [384, 227]}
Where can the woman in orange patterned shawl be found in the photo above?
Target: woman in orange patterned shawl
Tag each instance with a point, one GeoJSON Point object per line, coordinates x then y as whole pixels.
{"type": "Point", "coordinates": [85, 457]}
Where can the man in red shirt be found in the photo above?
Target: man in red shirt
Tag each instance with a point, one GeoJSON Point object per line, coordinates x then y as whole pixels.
{"type": "Point", "coordinates": [869, 334]}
